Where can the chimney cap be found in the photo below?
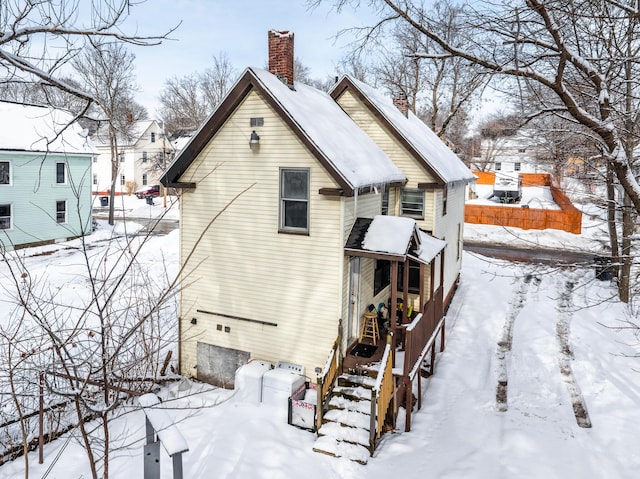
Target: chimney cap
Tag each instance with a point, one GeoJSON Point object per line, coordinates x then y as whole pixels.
{"type": "Point", "coordinates": [281, 33]}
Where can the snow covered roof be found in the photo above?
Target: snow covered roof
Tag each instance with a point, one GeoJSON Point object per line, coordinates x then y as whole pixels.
{"type": "Point", "coordinates": [41, 129]}
{"type": "Point", "coordinates": [393, 236]}
{"type": "Point", "coordinates": [138, 129]}
{"type": "Point", "coordinates": [348, 154]}
{"type": "Point", "coordinates": [347, 147]}
{"type": "Point", "coordinates": [389, 234]}
{"type": "Point", "coordinates": [437, 156]}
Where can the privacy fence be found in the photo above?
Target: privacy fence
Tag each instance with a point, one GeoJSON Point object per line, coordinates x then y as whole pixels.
{"type": "Point", "coordinates": [567, 218]}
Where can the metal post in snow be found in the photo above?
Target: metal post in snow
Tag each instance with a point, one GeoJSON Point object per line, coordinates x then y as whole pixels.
{"type": "Point", "coordinates": [41, 421]}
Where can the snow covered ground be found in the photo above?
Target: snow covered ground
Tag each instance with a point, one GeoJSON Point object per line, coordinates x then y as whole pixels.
{"type": "Point", "coordinates": [527, 346]}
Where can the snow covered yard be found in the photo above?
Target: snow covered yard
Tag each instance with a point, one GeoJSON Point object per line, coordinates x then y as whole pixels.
{"type": "Point", "coordinates": [464, 429]}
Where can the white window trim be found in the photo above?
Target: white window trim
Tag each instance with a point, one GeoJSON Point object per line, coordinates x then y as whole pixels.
{"type": "Point", "coordinates": [65, 212]}
{"type": "Point", "coordinates": [66, 173]}
{"type": "Point", "coordinates": [10, 228]}
{"type": "Point", "coordinates": [412, 215]}
{"type": "Point", "coordinates": [288, 229]}
{"type": "Point", "coordinates": [10, 173]}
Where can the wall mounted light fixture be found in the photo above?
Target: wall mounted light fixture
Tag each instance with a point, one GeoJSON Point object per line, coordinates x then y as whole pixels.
{"type": "Point", "coordinates": [254, 140]}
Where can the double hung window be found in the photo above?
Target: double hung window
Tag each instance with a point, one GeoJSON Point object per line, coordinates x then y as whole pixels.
{"type": "Point", "coordinates": [5, 217]}
{"type": "Point", "coordinates": [61, 211]}
{"type": "Point", "coordinates": [294, 200]}
{"type": "Point", "coordinates": [412, 203]}
{"type": "Point", "coordinates": [61, 174]}
{"type": "Point", "coordinates": [5, 173]}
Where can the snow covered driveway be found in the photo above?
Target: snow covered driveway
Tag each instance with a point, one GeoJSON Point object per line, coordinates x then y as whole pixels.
{"type": "Point", "coordinates": [464, 432]}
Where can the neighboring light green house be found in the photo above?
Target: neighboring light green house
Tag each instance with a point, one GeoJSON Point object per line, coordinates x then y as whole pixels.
{"type": "Point", "coordinates": [45, 176]}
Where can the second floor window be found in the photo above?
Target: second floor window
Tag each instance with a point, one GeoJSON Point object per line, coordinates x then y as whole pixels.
{"type": "Point", "coordinates": [445, 195]}
{"type": "Point", "coordinates": [122, 180]}
{"type": "Point", "coordinates": [153, 137]}
{"type": "Point", "coordinates": [144, 179]}
{"type": "Point", "coordinates": [385, 202]}
{"type": "Point", "coordinates": [5, 173]}
{"type": "Point", "coordinates": [144, 156]}
{"type": "Point", "coordinates": [294, 200]}
{"type": "Point", "coordinates": [412, 203]}
{"type": "Point", "coordinates": [517, 165]}
{"type": "Point", "coordinates": [95, 179]}
{"type": "Point", "coordinates": [498, 166]}
{"type": "Point", "coordinates": [60, 173]}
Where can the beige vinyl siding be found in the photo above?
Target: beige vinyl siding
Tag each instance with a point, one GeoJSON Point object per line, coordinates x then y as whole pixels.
{"type": "Point", "coordinates": [364, 206]}
{"type": "Point", "coordinates": [446, 227]}
{"type": "Point", "coordinates": [287, 279]}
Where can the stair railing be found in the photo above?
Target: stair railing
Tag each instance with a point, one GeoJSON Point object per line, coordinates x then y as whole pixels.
{"type": "Point", "coordinates": [326, 379]}
{"type": "Point", "coordinates": [381, 396]}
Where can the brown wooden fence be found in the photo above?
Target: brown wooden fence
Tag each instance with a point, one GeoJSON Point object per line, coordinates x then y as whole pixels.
{"type": "Point", "coordinates": [567, 218]}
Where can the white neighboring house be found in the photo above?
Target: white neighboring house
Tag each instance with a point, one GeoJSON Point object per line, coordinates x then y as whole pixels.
{"type": "Point", "coordinates": [512, 154]}
{"type": "Point", "coordinates": [143, 157]}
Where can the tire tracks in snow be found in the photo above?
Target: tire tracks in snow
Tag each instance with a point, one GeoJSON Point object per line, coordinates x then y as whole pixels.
{"type": "Point", "coordinates": [565, 357]}
{"type": "Point", "coordinates": [506, 341]}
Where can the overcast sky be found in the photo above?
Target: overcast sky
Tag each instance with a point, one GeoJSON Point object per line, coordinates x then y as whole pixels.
{"type": "Point", "coordinates": [238, 28]}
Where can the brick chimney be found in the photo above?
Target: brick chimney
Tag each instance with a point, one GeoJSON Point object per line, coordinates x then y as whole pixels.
{"type": "Point", "coordinates": [281, 55]}
{"type": "Point", "coordinates": [402, 103]}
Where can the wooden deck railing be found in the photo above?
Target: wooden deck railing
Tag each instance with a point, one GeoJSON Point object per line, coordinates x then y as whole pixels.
{"type": "Point", "coordinates": [420, 332]}
{"type": "Point", "coordinates": [381, 396]}
{"type": "Point", "coordinates": [326, 379]}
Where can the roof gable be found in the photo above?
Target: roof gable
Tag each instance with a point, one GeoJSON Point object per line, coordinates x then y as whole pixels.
{"type": "Point", "coordinates": [424, 145]}
{"type": "Point", "coordinates": [344, 150]}
{"type": "Point", "coordinates": [134, 134]}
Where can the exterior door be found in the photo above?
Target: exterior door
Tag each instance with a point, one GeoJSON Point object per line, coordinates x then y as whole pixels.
{"type": "Point", "coordinates": [354, 299]}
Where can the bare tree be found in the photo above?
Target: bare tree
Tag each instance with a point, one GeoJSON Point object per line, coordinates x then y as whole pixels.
{"type": "Point", "coordinates": [440, 88]}
{"type": "Point", "coordinates": [106, 71]}
{"type": "Point", "coordinates": [96, 350]}
{"type": "Point", "coordinates": [580, 57]}
{"type": "Point", "coordinates": [187, 101]}
{"type": "Point", "coordinates": [39, 38]}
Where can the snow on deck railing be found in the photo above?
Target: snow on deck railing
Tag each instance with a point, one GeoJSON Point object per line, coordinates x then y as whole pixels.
{"type": "Point", "coordinates": [172, 440]}
{"type": "Point", "coordinates": [411, 326]}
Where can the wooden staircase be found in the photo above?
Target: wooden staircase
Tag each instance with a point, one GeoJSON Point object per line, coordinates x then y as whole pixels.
{"type": "Point", "coordinates": [345, 430]}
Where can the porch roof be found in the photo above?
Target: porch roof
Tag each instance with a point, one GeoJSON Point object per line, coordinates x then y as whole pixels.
{"type": "Point", "coordinates": [392, 238]}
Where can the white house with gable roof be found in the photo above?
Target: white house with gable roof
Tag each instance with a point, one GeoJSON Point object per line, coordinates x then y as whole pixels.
{"type": "Point", "coordinates": [143, 153]}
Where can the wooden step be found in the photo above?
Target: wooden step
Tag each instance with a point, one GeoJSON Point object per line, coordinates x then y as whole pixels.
{"type": "Point", "coordinates": [339, 402]}
{"type": "Point", "coordinates": [333, 447]}
{"type": "Point", "coordinates": [353, 392]}
{"type": "Point", "coordinates": [354, 435]}
{"type": "Point", "coordinates": [349, 418]}
{"type": "Point", "coordinates": [347, 380]}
